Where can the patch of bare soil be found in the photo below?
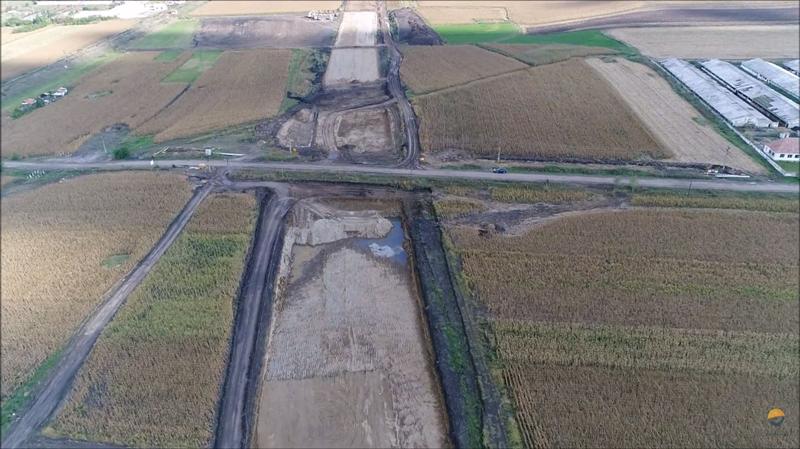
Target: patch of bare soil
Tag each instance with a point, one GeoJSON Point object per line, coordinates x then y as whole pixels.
{"type": "Point", "coordinates": [347, 362]}
{"type": "Point", "coordinates": [281, 31]}
{"type": "Point", "coordinates": [369, 135]}
{"type": "Point", "coordinates": [412, 30]}
{"type": "Point", "coordinates": [298, 131]}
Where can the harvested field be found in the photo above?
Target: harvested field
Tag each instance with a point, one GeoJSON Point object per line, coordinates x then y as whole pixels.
{"type": "Point", "coordinates": [133, 93]}
{"type": "Point", "coordinates": [48, 45]}
{"type": "Point", "coordinates": [259, 7]}
{"type": "Point", "coordinates": [283, 31]}
{"type": "Point", "coordinates": [670, 118]}
{"type": "Point", "coordinates": [621, 328]}
{"type": "Point", "coordinates": [56, 240]}
{"type": "Point", "coordinates": [348, 65]}
{"type": "Point", "coordinates": [357, 29]}
{"type": "Point", "coordinates": [723, 42]}
{"type": "Point", "coordinates": [154, 377]}
{"type": "Point", "coordinates": [535, 54]}
{"type": "Point", "coordinates": [425, 69]}
{"type": "Point", "coordinates": [241, 87]}
{"type": "Point", "coordinates": [347, 363]}
{"type": "Point", "coordinates": [539, 113]}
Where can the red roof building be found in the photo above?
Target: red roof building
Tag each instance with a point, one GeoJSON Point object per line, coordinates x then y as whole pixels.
{"type": "Point", "coordinates": [787, 149]}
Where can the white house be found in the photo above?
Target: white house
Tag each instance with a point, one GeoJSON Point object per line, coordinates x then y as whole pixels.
{"type": "Point", "coordinates": [787, 149]}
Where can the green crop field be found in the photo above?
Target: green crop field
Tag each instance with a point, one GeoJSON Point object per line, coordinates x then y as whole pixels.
{"type": "Point", "coordinates": [175, 35]}
{"type": "Point", "coordinates": [200, 61]}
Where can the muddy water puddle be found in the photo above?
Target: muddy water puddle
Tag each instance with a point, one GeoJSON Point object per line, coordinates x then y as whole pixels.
{"type": "Point", "coordinates": [389, 247]}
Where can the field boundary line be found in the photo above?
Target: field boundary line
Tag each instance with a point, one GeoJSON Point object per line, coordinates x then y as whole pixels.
{"type": "Point", "coordinates": [477, 80]}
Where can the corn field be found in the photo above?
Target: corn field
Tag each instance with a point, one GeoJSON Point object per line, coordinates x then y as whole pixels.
{"type": "Point", "coordinates": [55, 240]}
{"type": "Point", "coordinates": [154, 377]}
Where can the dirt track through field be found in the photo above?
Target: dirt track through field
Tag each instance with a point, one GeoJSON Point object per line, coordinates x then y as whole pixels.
{"type": "Point", "coordinates": [58, 383]}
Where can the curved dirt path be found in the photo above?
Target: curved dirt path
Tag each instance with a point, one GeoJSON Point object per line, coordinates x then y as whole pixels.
{"type": "Point", "coordinates": [60, 379]}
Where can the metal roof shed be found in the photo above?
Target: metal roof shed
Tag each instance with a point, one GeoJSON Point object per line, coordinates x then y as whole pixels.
{"type": "Point", "coordinates": [774, 75]}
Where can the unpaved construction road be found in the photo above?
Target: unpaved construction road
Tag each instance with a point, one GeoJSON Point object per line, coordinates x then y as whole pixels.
{"type": "Point", "coordinates": [586, 180]}
{"type": "Point", "coordinates": [254, 308]}
{"type": "Point", "coordinates": [60, 379]}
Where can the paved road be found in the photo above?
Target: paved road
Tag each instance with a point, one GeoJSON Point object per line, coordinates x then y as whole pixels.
{"type": "Point", "coordinates": [586, 180]}
{"type": "Point", "coordinates": [256, 294]}
{"type": "Point", "coordinates": [411, 158]}
{"type": "Point", "coordinates": [61, 377]}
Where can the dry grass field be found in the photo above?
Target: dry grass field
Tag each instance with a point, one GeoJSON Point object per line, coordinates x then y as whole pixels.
{"type": "Point", "coordinates": [154, 377]}
{"type": "Point", "coordinates": [259, 7]}
{"type": "Point", "coordinates": [645, 328]}
{"type": "Point", "coordinates": [242, 86]}
{"type": "Point", "coordinates": [671, 119]}
{"type": "Point", "coordinates": [724, 42]}
{"type": "Point", "coordinates": [557, 111]}
{"type": "Point", "coordinates": [522, 12]}
{"type": "Point", "coordinates": [22, 52]}
{"type": "Point", "coordinates": [58, 241]}
{"type": "Point", "coordinates": [128, 90]}
{"type": "Point", "coordinates": [428, 68]}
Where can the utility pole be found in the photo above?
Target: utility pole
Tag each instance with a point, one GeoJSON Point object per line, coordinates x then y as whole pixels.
{"type": "Point", "coordinates": [498, 155]}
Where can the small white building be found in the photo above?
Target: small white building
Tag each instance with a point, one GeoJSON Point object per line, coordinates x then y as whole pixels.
{"type": "Point", "coordinates": [787, 149]}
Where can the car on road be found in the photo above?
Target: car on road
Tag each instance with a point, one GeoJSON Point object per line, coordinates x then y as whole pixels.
{"type": "Point", "coordinates": [500, 170]}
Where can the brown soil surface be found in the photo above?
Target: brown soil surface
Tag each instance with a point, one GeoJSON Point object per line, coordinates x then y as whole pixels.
{"type": "Point", "coordinates": [259, 7]}
{"type": "Point", "coordinates": [557, 111]}
{"type": "Point", "coordinates": [369, 133]}
{"type": "Point", "coordinates": [281, 31]}
{"type": "Point", "coordinates": [534, 54]}
{"type": "Point", "coordinates": [347, 364]}
{"type": "Point", "coordinates": [412, 30]}
{"type": "Point", "coordinates": [725, 42]}
{"type": "Point", "coordinates": [426, 69]}
{"type": "Point", "coordinates": [671, 119]}
{"type": "Point", "coordinates": [241, 87]}
{"type": "Point", "coordinates": [47, 45]}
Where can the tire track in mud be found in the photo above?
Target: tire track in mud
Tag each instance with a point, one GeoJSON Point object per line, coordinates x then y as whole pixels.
{"type": "Point", "coordinates": [254, 309]}
{"type": "Point", "coordinates": [59, 381]}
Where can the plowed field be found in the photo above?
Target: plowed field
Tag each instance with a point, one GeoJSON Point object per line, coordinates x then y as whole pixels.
{"type": "Point", "coordinates": [429, 68]}
{"type": "Point", "coordinates": [128, 90]}
{"type": "Point", "coordinates": [557, 111]}
{"type": "Point", "coordinates": [241, 87]}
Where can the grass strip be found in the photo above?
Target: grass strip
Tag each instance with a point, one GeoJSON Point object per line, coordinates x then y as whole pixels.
{"type": "Point", "coordinates": [191, 70]}
{"type": "Point", "coordinates": [175, 35]}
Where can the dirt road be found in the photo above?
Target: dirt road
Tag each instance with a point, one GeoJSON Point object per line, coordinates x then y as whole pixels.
{"type": "Point", "coordinates": [585, 180]}
{"type": "Point", "coordinates": [411, 156]}
{"type": "Point", "coordinates": [252, 316]}
{"type": "Point", "coordinates": [60, 379]}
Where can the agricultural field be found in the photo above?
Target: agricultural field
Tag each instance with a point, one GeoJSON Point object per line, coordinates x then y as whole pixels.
{"type": "Point", "coordinates": [260, 7]}
{"type": "Point", "coordinates": [539, 113]}
{"type": "Point", "coordinates": [174, 35]}
{"type": "Point", "coordinates": [542, 54]}
{"type": "Point", "coordinates": [723, 42]}
{"type": "Point", "coordinates": [64, 246]}
{"type": "Point", "coordinates": [347, 65]}
{"type": "Point", "coordinates": [49, 44]}
{"type": "Point", "coordinates": [163, 357]}
{"type": "Point", "coordinates": [240, 87]}
{"type": "Point", "coordinates": [621, 327]}
{"type": "Point", "coordinates": [671, 119]}
{"type": "Point", "coordinates": [281, 31]}
{"type": "Point", "coordinates": [523, 13]}
{"type": "Point", "coordinates": [428, 68]}
{"type": "Point", "coordinates": [127, 90]}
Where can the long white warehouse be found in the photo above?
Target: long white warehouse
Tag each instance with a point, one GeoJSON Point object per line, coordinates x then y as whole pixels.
{"type": "Point", "coordinates": [732, 108]}
{"type": "Point", "coordinates": [774, 75]}
{"type": "Point", "coordinates": [759, 93]}
{"type": "Point", "coordinates": [793, 65]}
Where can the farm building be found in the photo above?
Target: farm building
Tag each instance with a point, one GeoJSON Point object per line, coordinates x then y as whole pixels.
{"type": "Point", "coordinates": [759, 93]}
{"type": "Point", "coordinates": [793, 65]}
{"type": "Point", "coordinates": [787, 149]}
{"type": "Point", "coordinates": [774, 75]}
{"type": "Point", "coordinates": [732, 108]}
